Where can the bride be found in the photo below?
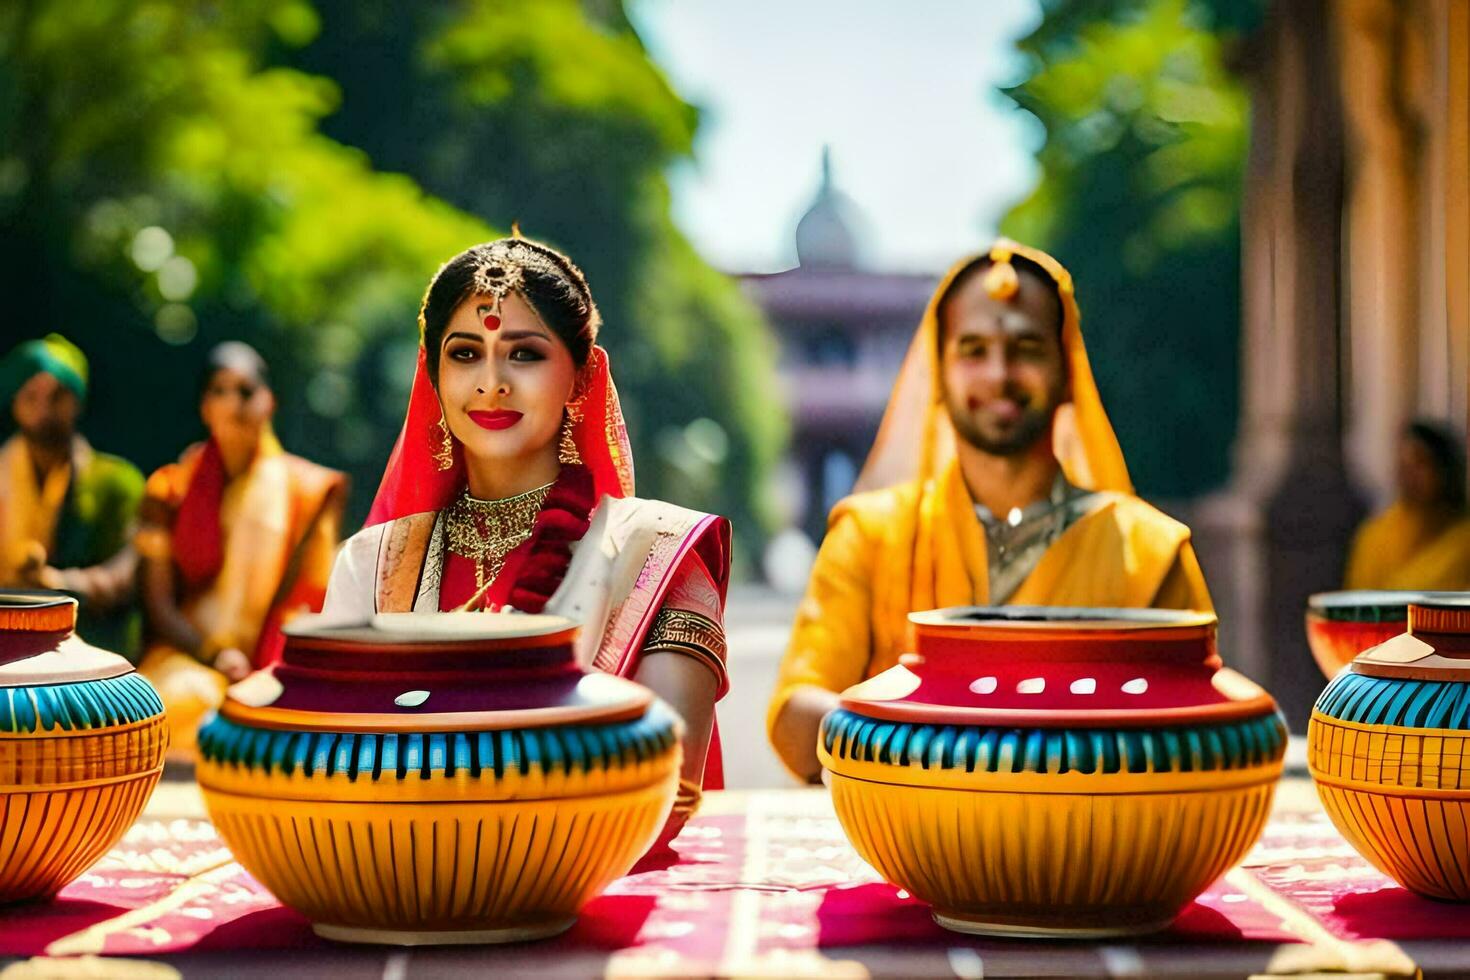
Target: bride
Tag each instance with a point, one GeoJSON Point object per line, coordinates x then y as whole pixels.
{"type": "Point", "coordinates": [511, 488]}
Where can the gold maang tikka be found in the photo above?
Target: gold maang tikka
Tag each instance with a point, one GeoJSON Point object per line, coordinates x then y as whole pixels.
{"type": "Point", "coordinates": [1000, 281]}
{"type": "Point", "coordinates": [496, 274]}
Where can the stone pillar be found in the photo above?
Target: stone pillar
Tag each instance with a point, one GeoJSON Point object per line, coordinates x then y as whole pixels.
{"type": "Point", "coordinates": [1406, 91]}
{"type": "Point", "coordinates": [1279, 532]}
{"type": "Point", "coordinates": [1381, 67]}
{"type": "Point", "coordinates": [1445, 304]}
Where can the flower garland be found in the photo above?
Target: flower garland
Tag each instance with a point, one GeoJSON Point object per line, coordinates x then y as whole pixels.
{"type": "Point", "coordinates": [534, 569]}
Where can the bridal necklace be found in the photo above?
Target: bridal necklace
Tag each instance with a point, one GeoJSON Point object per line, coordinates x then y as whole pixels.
{"type": "Point", "coordinates": [486, 531]}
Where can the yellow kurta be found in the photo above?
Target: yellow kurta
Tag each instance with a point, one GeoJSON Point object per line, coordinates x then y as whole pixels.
{"type": "Point", "coordinates": [28, 510]}
{"type": "Point", "coordinates": [894, 551]}
{"type": "Point", "coordinates": [1402, 548]}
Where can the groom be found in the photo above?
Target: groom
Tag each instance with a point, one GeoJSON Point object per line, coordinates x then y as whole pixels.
{"type": "Point", "coordinates": [996, 479]}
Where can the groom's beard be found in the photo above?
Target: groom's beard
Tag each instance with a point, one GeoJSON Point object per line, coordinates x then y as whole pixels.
{"type": "Point", "coordinates": [1005, 439]}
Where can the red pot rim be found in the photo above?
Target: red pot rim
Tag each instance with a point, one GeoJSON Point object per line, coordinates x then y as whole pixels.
{"type": "Point", "coordinates": [1060, 667]}
{"type": "Point", "coordinates": [427, 672]}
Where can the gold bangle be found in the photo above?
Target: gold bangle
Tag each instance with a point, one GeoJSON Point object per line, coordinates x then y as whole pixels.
{"type": "Point", "coordinates": [688, 797]}
{"type": "Point", "coordinates": [687, 632]}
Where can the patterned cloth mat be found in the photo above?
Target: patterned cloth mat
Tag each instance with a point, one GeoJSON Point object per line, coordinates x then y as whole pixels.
{"type": "Point", "coordinates": [765, 886]}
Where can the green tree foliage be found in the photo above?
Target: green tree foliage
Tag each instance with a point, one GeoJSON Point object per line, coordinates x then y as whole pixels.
{"type": "Point", "coordinates": [166, 187]}
{"type": "Point", "coordinates": [1139, 196]}
{"type": "Point", "coordinates": [173, 173]}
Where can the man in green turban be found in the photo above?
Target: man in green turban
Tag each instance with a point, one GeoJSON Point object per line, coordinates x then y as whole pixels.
{"type": "Point", "coordinates": [66, 510]}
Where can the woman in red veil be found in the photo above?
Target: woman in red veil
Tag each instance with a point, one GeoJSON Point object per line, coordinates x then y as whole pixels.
{"type": "Point", "coordinates": [511, 487]}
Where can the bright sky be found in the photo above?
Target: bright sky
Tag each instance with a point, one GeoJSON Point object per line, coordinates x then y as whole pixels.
{"type": "Point", "coordinates": [905, 94]}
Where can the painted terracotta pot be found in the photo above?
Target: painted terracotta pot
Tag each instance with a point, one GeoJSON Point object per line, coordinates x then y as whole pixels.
{"type": "Point", "coordinates": [1055, 772]}
{"type": "Point", "coordinates": [1341, 625]}
{"type": "Point", "coordinates": [82, 738]}
{"type": "Point", "coordinates": [446, 778]}
{"type": "Point", "coordinates": [1387, 748]}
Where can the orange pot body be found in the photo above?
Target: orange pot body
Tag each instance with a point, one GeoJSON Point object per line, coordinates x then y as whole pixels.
{"type": "Point", "coordinates": [82, 738]}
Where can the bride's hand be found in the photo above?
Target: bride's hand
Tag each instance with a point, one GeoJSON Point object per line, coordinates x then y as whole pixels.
{"type": "Point", "coordinates": [233, 664]}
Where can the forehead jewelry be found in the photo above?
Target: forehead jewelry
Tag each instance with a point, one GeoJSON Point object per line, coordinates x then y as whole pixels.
{"type": "Point", "coordinates": [1000, 280]}
{"type": "Point", "coordinates": [496, 274]}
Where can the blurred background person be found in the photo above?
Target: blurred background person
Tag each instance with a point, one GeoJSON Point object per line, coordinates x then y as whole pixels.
{"type": "Point", "coordinates": [1422, 539]}
{"type": "Point", "coordinates": [235, 538]}
{"type": "Point", "coordinates": [66, 510]}
{"type": "Point", "coordinates": [995, 479]}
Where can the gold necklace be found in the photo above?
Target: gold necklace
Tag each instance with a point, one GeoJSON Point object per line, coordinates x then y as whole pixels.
{"type": "Point", "coordinates": [485, 531]}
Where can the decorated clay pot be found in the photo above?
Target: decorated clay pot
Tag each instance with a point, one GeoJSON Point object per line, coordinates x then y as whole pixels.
{"type": "Point", "coordinates": [1055, 772]}
{"type": "Point", "coordinates": [1341, 625]}
{"type": "Point", "coordinates": [82, 738]}
{"type": "Point", "coordinates": [445, 778]}
{"type": "Point", "coordinates": [1387, 748]}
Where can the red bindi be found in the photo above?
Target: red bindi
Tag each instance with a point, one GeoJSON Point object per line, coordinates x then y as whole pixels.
{"type": "Point", "coordinates": [491, 321]}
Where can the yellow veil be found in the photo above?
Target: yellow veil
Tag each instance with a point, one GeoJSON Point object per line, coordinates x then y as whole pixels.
{"type": "Point", "coordinates": [916, 438]}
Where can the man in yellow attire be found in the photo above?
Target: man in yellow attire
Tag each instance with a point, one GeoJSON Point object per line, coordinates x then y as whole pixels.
{"type": "Point", "coordinates": [995, 479]}
{"type": "Point", "coordinates": [66, 509]}
{"type": "Point", "coordinates": [1422, 539]}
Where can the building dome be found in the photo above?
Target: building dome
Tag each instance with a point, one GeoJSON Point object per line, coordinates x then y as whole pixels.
{"type": "Point", "coordinates": [824, 236]}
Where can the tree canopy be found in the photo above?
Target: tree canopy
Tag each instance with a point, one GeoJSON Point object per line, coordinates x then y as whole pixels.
{"type": "Point", "coordinates": [1146, 130]}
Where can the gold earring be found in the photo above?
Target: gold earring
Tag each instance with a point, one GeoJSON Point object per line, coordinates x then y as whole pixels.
{"type": "Point", "coordinates": [566, 450]}
{"type": "Point", "coordinates": [444, 455]}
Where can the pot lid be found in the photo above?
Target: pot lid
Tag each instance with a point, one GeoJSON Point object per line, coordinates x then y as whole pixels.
{"type": "Point", "coordinates": [424, 672]}
{"type": "Point", "coordinates": [38, 644]}
{"type": "Point", "coordinates": [1436, 646]}
{"type": "Point", "coordinates": [1051, 667]}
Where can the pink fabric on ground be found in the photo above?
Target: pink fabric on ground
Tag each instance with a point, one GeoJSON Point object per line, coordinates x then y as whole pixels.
{"type": "Point", "coordinates": [776, 879]}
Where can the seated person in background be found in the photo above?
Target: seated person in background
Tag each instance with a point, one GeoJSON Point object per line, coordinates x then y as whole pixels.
{"type": "Point", "coordinates": [66, 510]}
{"type": "Point", "coordinates": [235, 538]}
{"type": "Point", "coordinates": [995, 479]}
{"type": "Point", "coordinates": [1421, 540]}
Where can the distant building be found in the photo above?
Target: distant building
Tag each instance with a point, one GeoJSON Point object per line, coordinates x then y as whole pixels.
{"type": "Point", "coordinates": [843, 332]}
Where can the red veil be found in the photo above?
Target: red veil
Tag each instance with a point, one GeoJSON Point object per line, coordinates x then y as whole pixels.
{"type": "Point", "coordinates": [413, 483]}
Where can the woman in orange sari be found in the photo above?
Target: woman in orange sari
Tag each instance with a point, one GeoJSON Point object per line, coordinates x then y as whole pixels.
{"type": "Point", "coordinates": [511, 487]}
{"type": "Point", "coordinates": [235, 538]}
{"type": "Point", "coordinates": [1422, 540]}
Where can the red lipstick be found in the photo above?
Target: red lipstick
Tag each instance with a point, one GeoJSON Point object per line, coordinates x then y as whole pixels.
{"type": "Point", "coordinates": [499, 419]}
